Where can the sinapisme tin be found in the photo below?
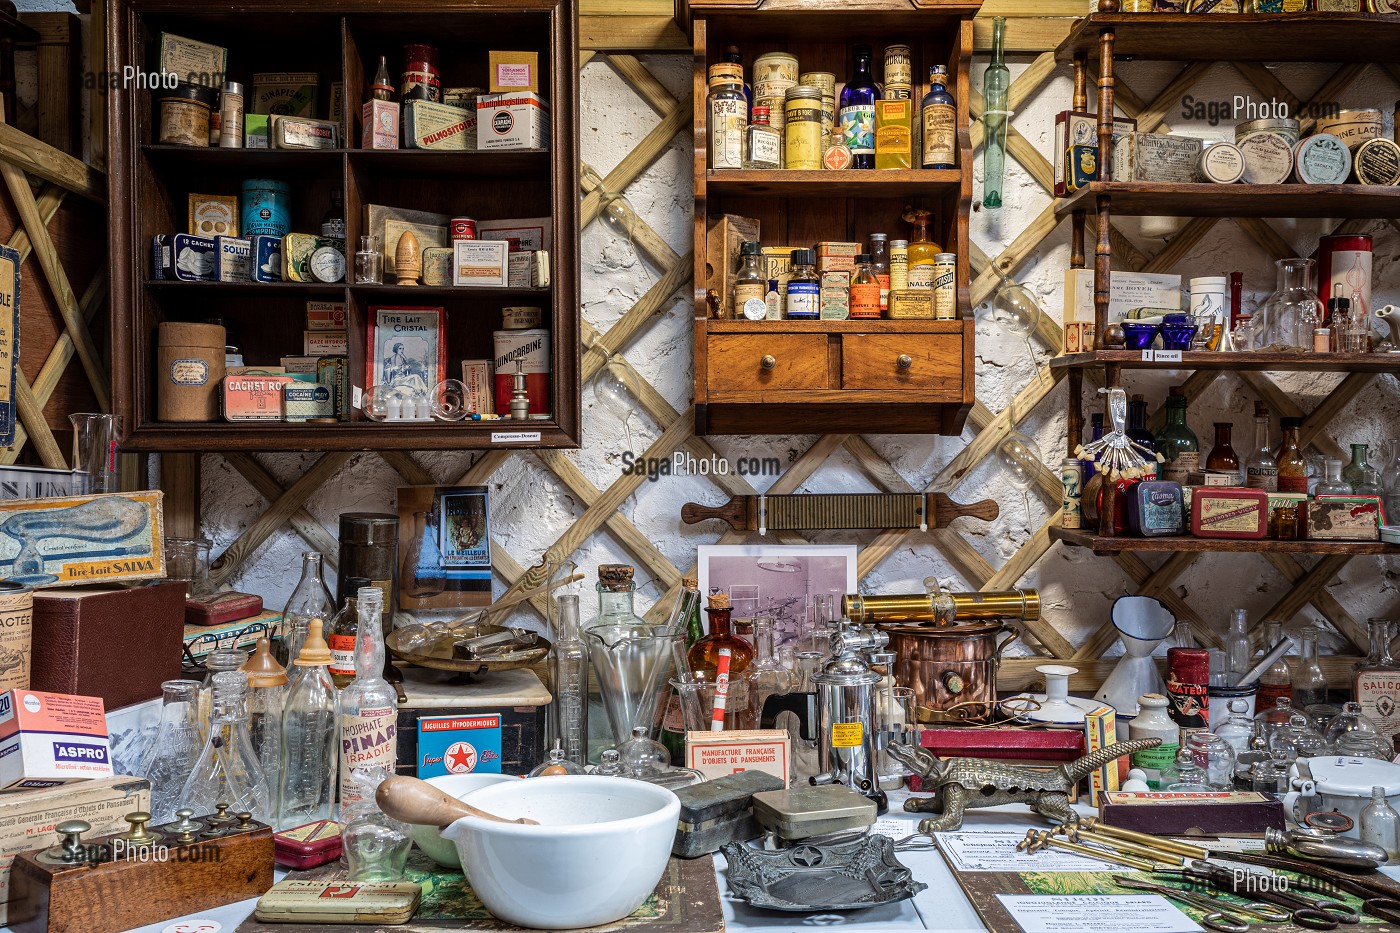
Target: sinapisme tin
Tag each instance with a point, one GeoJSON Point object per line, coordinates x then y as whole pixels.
{"type": "Point", "coordinates": [1378, 163]}
{"type": "Point", "coordinates": [898, 67]}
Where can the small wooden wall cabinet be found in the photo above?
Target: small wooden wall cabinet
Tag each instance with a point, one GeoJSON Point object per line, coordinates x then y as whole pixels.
{"type": "Point", "coordinates": [823, 377]}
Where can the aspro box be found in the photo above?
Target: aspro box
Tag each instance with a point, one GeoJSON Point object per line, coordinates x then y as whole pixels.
{"type": "Point", "coordinates": [459, 745]}
{"type": "Point", "coordinates": [513, 120]}
{"type": "Point", "coordinates": [480, 263]}
{"type": "Point", "coordinates": [715, 754]}
{"type": "Point", "coordinates": [48, 739]}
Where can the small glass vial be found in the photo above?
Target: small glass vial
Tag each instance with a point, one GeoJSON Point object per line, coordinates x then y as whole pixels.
{"type": "Point", "coordinates": [865, 291]}
{"type": "Point", "coordinates": [804, 287]}
{"type": "Point", "coordinates": [369, 262]}
{"type": "Point", "coordinates": [746, 298]}
{"type": "Point", "coordinates": [1380, 824]}
{"type": "Point", "coordinates": [765, 148]}
{"type": "Point", "coordinates": [1333, 485]}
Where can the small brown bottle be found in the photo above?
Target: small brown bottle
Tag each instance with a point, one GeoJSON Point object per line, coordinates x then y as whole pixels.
{"type": "Point", "coordinates": [704, 654]}
{"type": "Point", "coordinates": [1223, 458]}
{"type": "Point", "coordinates": [1292, 468]}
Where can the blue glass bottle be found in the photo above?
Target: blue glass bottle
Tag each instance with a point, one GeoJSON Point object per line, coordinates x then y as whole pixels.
{"type": "Point", "coordinates": [940, 121]}
{"type": "Point", "coordinates": [732, 56]}
{"type": "Point", "coordinates": [857, 108]}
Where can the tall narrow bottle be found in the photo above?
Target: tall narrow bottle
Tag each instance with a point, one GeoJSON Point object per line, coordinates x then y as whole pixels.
{"type": "Point", "coordinates": [342, 631]}
{"type": "Point", "coordinates": [1292, 468]}
{"type": "Point", "coordinates": [310, 737]}
{"type": "Point", "coordinates": [1261, 469]}
{"type": "Point", "coordinates": [267, 701]}
{"type": "Point", "coordinates": [766, 675]}
{"type": "Point", "coordinates": [1355, 471]}
{"type": "Point", "coordinates": [369, 707]}
{"type": "Point", "coordinates": [857, 110]}
{"type": "Point", "coordinates": [1237, 648]}
{"type": "Point", "coordinates": [1137, 425]}
{"type": "Point", "coordinates": [1275, 683]}
{"type": "Point", "coordinates": [940, 121]}
{"type": "Point", "coordinates": [381, 88]}
{"type": "Point", "coordinates": [310, 600]}
{"type": "Point", "coordinates": [1309, 683]}
{"type": "Point", "coordinates": [673, 724]}
{"type": "Point", "coordinates": [1177, 442]}
{"type": "Point", "coordinates": [996, 82]}
{"type": "Point", "coordinates": [568, 669]}
{"type": "Point", "coordinates": [227, 771]}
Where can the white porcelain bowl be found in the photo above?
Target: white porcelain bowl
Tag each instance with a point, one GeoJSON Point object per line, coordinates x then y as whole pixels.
{"type": "Point", "coordinates": [601, 847]}
{"type": "Point", "coordinates": [441, 850]}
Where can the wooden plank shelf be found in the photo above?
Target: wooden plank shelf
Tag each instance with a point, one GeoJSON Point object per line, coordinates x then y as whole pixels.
{"type": "Point", "coordinates": [1099, 543]}
{"type": "Point", "coordinates": [354, 435]}
{"type": "Point", "coordinates": [799, 183]}
{"type": "Point", "coordinates": [1152, 199]}
{"type": "Point", "coordinates": [839, 327]}
{"type": "Point", "coordinates": [1256, 362]}
{"type": "Point", "coordinates": [1253, 37]}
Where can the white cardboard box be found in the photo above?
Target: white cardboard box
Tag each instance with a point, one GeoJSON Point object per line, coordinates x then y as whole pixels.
{"type": "Point", "coordinates": [1127, 290]}
{"type": "Point", "coordinates": [480, 263]}
{"type": "Point", "coordinates": [512, 120]}
{"type": "Point", "coordinates": [715, 754]}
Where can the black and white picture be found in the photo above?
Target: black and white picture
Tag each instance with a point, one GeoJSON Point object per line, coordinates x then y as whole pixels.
{"type": "Point", "coordinates": [778, 581]}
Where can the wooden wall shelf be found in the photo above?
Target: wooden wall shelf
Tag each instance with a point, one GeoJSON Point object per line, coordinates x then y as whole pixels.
{"type": "Point", "coordinates": [1231, 361]}
{"type": "Point", "coordinates": [1100, 544]}
{"type": "Point", "coordinates": [1241, 37]}
{"type": "Point", "coordinates": [1152, 199]}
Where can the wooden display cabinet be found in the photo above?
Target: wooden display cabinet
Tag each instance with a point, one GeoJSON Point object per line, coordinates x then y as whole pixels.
{"type": "Point", "coordinates": [784, 377]}
{"type": "Point", "coordinates": [341, 40]}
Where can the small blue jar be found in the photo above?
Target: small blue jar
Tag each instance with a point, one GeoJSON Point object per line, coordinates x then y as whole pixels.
{"type": "Point", "coordinates": [266, 208]}
{"type": "Point", "coordinates": [1177, 332]}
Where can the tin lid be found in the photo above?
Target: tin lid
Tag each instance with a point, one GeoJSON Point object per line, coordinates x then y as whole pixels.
{"type": "Point", "coordinates": [775, 57]}
{"type": "Point", "coordinates": [266, 184]}
{"type": "Point", "coordinates": [191, 93]}
{"type": "Point", "coordinates": [877, 237]}
{"type": "Point", "coordinates": [813, 804]}
{"type": "Point", "coordinates": [1267, 124]}
{"type": "Point", "coordinates": [724, 796]}
{"type": "Point", "coordinates": [233, 87]}
{"type": "Point", "coordinates": [803, 92]}
{"type": "Point", "coordinates": [899, 244]}
{"type": "Point", "coordinates": [945, 257]}
{"type": "Point", "coordinates": [750, 248]}
{"type": "Point", "coordinates": [726, 70]}
{"type": "Point", "coordinates": [369, 528]}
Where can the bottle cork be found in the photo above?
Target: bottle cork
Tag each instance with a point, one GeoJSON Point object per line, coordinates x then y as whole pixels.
{"type": "Point", "coordinates": [718, 601]}
{"type": "Point", "coordinates": [615, 577]}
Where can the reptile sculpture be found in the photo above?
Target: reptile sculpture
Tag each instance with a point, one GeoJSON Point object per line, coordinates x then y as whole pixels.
{"type": "Point", "coordinates": [962, 784]}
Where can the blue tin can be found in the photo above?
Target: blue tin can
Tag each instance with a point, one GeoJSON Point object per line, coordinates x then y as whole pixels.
{"type": "Point", "coordinates": [266, 208]}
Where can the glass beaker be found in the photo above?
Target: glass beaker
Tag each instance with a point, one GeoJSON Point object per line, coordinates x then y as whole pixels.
{"type": "Point", "coordinates": [900, 727]}
{"type": "Point", "coordinates": [1293, 311]}
{"type": "Point", "coordinates": [187, 560]}
{"type": "Point", "coordinates": [172, 756]}
{"type": "Point", "coordinates": [94, 453]}
{"type": "Point", "coordinates": [697, 692]}
{"type": "Point", "coordinates": [632, 665]}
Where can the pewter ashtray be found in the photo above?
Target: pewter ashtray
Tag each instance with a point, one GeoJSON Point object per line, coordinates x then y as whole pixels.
{"type": "Point", "coordinates": [851, 876]}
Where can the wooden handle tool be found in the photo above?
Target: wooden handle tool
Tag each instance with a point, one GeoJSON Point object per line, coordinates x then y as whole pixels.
{"type": "Point", "coordinates": [838, 511]}
{"type": "Point", "coordinates": [413, 801]}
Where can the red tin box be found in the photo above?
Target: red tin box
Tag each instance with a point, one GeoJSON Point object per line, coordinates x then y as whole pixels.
{"type": "Point", "coordinates": [1229, 512]}
{"type": "Point", "coordinates": [307, 846]}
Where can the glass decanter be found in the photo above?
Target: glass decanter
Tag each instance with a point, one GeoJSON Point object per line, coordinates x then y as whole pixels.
{"type": "Point", "coordinates": [1238, 730]}
{"type": "Point", "coordinates": [224, 659]}
{"type": "Point", "coordinates": [1355, 471]}
{"type": "Point", "coordinates": [1333, 485]}
{"type": "Point", "coordinates": [704, 655]}
{"type": "Point", "coordinates": [369, 707]}
{"type": "Point", "coordinates": [227, 771]}
{"type": "Point", "coordinates": [1293, 311]}
{"type": "Point", "coordinates": [310, 600]}
{"type": "Point", "coordinates": [568, 667]}
{"type": "Point", "coordinates": [1309, 683]}
{"type": "Point", "coordinates": [267, 700]}
{"type": "Point", "coordinates": [766, 675]}
{"type": "Point", "coordinates": [310, 737]}
{"type": "Point", "coordinates": [376, 845]}
{"type": "Point", "coordinates": [171, 757]}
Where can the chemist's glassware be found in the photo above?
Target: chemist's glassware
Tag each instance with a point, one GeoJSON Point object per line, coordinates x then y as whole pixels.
{"type": "Point", "coordinates": [267, 700]}
{"type": "Point", "coordinates": [310, 738]}
{"type": "Point", "coordinates": [228, 771]}
{"type": "Point", "coordinates": [569, 672]}
{"type": "Point", "coordinates": [310, 600]}
{"type": "Point", "coordinates": [172, 756]}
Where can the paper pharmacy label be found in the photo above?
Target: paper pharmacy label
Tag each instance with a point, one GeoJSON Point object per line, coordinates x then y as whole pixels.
{"type": "Point", "coordinates": [1096, 913]}
{"type": "Point", "coordinates": [996, 851]}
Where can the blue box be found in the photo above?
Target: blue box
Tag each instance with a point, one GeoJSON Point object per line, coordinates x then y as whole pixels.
{"type": "Point", "coordinates": [467, 744]}
{"type": "Point", "coordinates": [267, 258]}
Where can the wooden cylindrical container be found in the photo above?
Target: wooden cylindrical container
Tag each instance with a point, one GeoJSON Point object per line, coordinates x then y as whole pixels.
{"type": "Point", "coordinates": [190, 358]}
{"type": "Point", "coordinates": [16, 635]}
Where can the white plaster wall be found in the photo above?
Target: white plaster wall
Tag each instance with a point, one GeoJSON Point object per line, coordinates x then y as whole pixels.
{"type": "Point", "coordinates": [530, 509]}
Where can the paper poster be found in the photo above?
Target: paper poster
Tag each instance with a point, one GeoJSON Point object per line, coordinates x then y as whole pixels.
{"type": "Point", "coordinates": [444, 547]}
{"type": "Point", "coordinates": [406, 349]}
{"type": "Point", "coordinates": [1096, 913]}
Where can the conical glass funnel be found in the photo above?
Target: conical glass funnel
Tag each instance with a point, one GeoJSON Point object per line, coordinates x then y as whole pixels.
{"type": "Point", "coordinates": [633, 665]}
{"type": "Point", "coordinates": [1142, 623]}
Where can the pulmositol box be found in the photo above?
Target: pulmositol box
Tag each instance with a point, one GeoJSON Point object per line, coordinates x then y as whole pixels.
{"type": "Point", "coordinates": [512, 120]}
{"type": "Point", "coordinates": [48, 739]}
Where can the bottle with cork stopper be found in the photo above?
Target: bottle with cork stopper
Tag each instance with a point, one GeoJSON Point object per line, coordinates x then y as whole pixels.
{"type": "Point", "coordinates": [704, 654]}
{"type": "Point", "coordinates": [310, 737]}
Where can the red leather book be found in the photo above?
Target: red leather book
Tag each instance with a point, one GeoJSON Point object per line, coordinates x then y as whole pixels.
{"type": "Point", "coordinates": [1013, 744]}
{"type": "Point", "coordinates": [221, 608]}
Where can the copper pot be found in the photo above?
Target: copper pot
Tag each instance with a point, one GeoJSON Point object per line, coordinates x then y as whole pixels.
{"type": "Point", "coordinates": [952, 670]}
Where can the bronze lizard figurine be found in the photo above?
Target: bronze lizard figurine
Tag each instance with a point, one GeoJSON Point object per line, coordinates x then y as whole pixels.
{"type": "Point", "coordinates": [962, 784]}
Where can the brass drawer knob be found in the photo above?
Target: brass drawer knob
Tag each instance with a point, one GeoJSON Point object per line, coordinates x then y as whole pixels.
{"type": "Point", "coordinates": [767, 363]}
{"type": "Point", "coordinates": [904, 362]}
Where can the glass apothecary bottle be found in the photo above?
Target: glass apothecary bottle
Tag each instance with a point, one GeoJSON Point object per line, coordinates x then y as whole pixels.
{"type": "Point", "coordinates": [1292, 467]}
{"type": "Point", "coordinates": [1293, 311]}
{"type": "Point", "coordinates": [1309, 683]}
{"type": "Point", "coordinates": [228, 771]}
{"type": "Point", "coordinates": [267, 701]}
{"type": "Point", "coordinates": [1276, 683]}
{"type": "Point", "coordinates": [766, 674]}
{"type": "Point", "coordinates": [340, 635]}
{"type": "Point", "coordinates": [224, 659]}
{"type": "Point", "coordinates": [1222, 457]}
{"type": "Point", "coordinates": [1333, 485]}
{"type": "Point", "coordinates": [746, 297]}
{"type": "Point", "coordinates": [1390, 479]}
{"type": "Point", "coordinates": [1153, 722]}
{"type": "Point", "coordinates": [310, 600]}
{"type": "Point", "coordinates": [1359, 470]}
{"type": "Point", "coordinates": [1261, 470]}
{"type": "Point", "coordinates": [1176, 441]}
{"type": "Point", "coordinates": [568, 668]}
{"type": "Point", "coordinates": [369, 707]}
{"type": "Point", "coordinates": [857, 109]}
{"type": "Point", "coordinates": [310, 737]}
{"type": "Point", "coordinates": [765, 144]}
{"type": "Point", "coordinates": [727, 113]}
{"type": "Point", "coordinates": [172, 756]}
{"type": "Point", "coordinates": [1380, 824]}
{"type": "Point", "coordinates": [704, 654]}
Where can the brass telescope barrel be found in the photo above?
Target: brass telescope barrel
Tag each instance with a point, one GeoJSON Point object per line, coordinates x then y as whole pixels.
{"type": "Point", "coordinates": [941, 608]}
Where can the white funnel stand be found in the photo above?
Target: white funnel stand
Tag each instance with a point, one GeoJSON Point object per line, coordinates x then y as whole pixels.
{"type": "Point", "coordinates": [1142, 623]}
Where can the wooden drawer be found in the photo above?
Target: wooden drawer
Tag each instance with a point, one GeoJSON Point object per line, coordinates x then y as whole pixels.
{"type": "Point", "coordinates": [735, 362]}
{"type": "Point", "coordinates": [902, 361]}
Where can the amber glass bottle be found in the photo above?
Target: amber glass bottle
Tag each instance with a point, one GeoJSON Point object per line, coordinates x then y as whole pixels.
{"type": "Point", "coordinates": [1222, 456]}
{"type": "Point", "coordinates": [1292, 468]}
{"type": "Point", "coordinates": [704, 654]}
{"type": "Point", "coordinates": [922, 250]}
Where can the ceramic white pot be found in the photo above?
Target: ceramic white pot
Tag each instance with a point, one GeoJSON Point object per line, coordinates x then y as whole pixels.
{"type": "Point", "coordinates": [440, 850]}
{"type": "Point", "coordinates": [1344, 783]}
{"type": "Point", "coordinates": [601, 847]}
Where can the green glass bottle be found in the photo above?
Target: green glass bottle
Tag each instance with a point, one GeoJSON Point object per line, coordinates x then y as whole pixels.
{"type": "Point", "coordinates": [673, 725]}
{"type": "Point", "coordinates": [1176, 441]}
{"type": "Point", "coordinates": [996, 82]}
{"type": "Point", "coordinates": [1355, 471]}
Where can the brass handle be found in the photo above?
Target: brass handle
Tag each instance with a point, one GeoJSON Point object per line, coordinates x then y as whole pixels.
{"type": "Point", "coordinates": [904, 362]}
{"type": "Point", "coordinates": [767, 363]}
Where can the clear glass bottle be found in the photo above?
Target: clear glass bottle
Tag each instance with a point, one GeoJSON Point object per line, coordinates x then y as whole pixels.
{"type": "Point", "coordinates": [1243, 336]}
{"type": "Point", "coordinates": [629, 658]}
{"type": "Point", "coordinates": [1238, 651]}
{"type": "Point", "coordinates": [568, 669]}
{"type": "Point", "coordinates": [923, 252]}
{"type": "Point", "coordinates": [766, 675]}
{"type": "Point", "coordinates": [1373, 680]}
{"type": "Point", "coordinates": [310, 600]}
{"type": "Point", "coordinates": [940, 121]}
{"type": "Point", "coordinates": [728, 124]}
{"type": "Point", "coordinates": [1292, 467]}
{"type": "Point", "coordinates": [804, 300]}
{"type": "Point", "coordinates": [1238, 730]}
{"type": "Point", "coordinates": [227, 771]}
{"type": "Point", "coordinates": [369, 261]}
{"type": "Point", "coordinates": [1293, 311]}
{"type": "Point", "coordinates": [333, 221]}
{"type": "Point", "coordinates": [340, 634]}
{"type": "Point", "coordinates": [765, 144]}
{"type": "Point", "coordinates": [1309, 683]}
{"type": "Point", "coordinates": [865, 291]}
{"type": "Point", "coordinates": [1369, 484]}
{"type": "Point", "coordinates": [1380, 824]}
{"type": "Point", "coordinates": [1261, 470]}
{"type": "Point", "coordinates": [381, 88]}
{"type": "Point", "coordinates": [1276, 683]}
{"type": "Point", "coordinates": [1355, 472]}
{"type": "Point", "coordinates": [172, 755]}
{"type": "Point", "coordinates": [1390, 479]}
{"type": "Point", "coordinates": [996, 84]}
{"type": "Point", "coordinates": [732, 56]}
{"type": "Point", "coordinates": [857, 110]}
{"type": "Point", "coordinates": [376, 845]}
{"type": "Point", "coordinates": [369, 707]}
{"type": "Point", "coordinates": [310, 737]}
{"type": "Point", "coordinates": [267, 701]}
{"type": "Point", "coordinates": [880, 266]}
{"type": "Point", "coordinates": [1333, 485]}
{"type": "Point", "coordinates": [223, 659]}
{"type": "Point", "coordinates": [703, 656]}
{"type": "Point", "coordinates": [1176, 441]}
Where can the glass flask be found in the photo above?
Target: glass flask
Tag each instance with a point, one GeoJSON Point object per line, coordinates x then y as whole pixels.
{"type": "Point", "coordinates": [369, 262]}
{"type": "Point", "coordinates": [227, 771]}
{"type": "Point", "coordinates": [369, 707]}
{"type": "Point", "coordinates": [421, 573]}
{"type": "Point", "coordinates": [1238, 730]}
{"type": "Point", "coordinates": [267, 700]}
{"type": "Point", "coordinates": [340, 636]}
{"type": "Point", "coordinates": [1368, 484]}
{"type": "Point", "coordinates": [310, 732]}
{"type": "Point", "coordinates": [1355, 471]}
{"type": "Point", "coordinates": [171, 757]}
{"type": "Point", "coordinates": [704, 655]}
{"type": "Point", "coordinates": [823, 625]}
{"type": "Point", "coordinates": [1293, 311]}
{"type": "Point", "coordinates": [310, 600]}
{"type": "Point", "coordinates": [1333, 484]}
{"type": "Point", "coordinates": [766, 675]}
{"type": "Point", "coordinates": [1380, 824]}
{"type": "Point", "coordinates": [224, 659]}
{"type": "Point", "coordinates": [1238, 651]}
{"type": "Point", "coordinates": [557, 764]}
{"type": "Point", "coordinates": [376, 845]}
{"type": "Point", "coordinates": [568, 669]}
{"type": "Point", "coordinates": [1309, 683]}
{"type": "Point", "coordinates": [1275, 683]}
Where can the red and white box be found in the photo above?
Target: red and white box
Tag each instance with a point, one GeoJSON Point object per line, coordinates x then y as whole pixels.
{"type": "Point", "coordinates": [476, 376]}
{"type": "Point", "coordinates": [325, 315]}
{"type": "Point", "coordinates": [531, 347]}
{"type": "Point", "coordinates": [48, 739]}
{"type": "Point", "coordinates": [715, 754]}
{"type": "Point", "coordinates": [512, 120]}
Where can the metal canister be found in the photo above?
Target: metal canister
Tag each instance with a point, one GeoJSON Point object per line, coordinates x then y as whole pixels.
{"type": "Point", "coordinates": [265, 208]}
{"type": "Point", "coordinates": [827, 82]}
{"type": "Point", "coordinates": [420, 79]}
{"type": "Point", "coordinates": [1072, 484]}
{"type": "Point", "coordinates": [1378, 163]}
{"type": "Point", "coordinates": [1188, 689]}
{"type": "Point", "coordinates": [463, 228]}
{"type": "Point", "coordinates": [1353, 127]}
{"type": "Point", "coordinates": [899, 92]}
{"type": "Point", "coordinates": [941, 608]}
{"type": "Point", "coordinates": [773, 74]}
{"type": "Point", "coordinates": [898, 65]}
{"type": "Point", "coordinates": [945, 286]}
{"type": "Point", "coordinates": [16, 635]}
{"type": "Point", "coordinates": [185, 114]}
{"type": "Point", "coordinates": [803, 127]}
{"type": "Point", "coordinates": [369, 548]}
{"type": "Point", "coordinates": [1287, 127]}
{"type": "Point", "coordinates": [953, 671]}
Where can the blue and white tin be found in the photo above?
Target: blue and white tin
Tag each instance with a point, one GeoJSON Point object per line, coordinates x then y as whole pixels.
{"type": "Point", "coordinates": [266, 208]}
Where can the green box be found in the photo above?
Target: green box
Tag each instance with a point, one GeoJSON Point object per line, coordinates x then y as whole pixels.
{"type": "Point", "coordinates": [255, 131]}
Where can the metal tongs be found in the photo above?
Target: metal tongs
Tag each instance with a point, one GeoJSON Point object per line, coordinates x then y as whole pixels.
{"type": "Point", "coordinates": [486, 647]}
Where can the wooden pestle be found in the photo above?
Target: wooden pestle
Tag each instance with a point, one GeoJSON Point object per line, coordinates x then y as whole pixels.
{"type": "Point", "coordinates": [413, 801]}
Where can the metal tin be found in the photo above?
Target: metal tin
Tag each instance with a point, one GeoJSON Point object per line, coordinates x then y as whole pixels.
{"type": "Point", "coordinates": [898, 65]}
{"type": "Point", "coordinates": [369, 548]}
{"type": "Point", "coordinates": [420, 79]}
{"type": "Point", "coordinates": [773, 74]}
{"type": "Point", "coordinates": [462, 228]}
{"type": "Point", "coordinates": [802, 111]}
{"type": "Point", "coordinates": [1072, 486]}
{"type": "Point", "coordinates": [303, 401]}
{"type": "Point", "coordinates": [288, 132]}
{"type": "Point", "coordinates": [898, 92]}
{"type": "Point", "coordinates": [803, 812]}
{"type": "Point", "coordinates": [254, 396]}
{"type": "Point", "coordinates": [1156, 157]}
{"type": "Point", "coordinates": [266, 208]}
{"type": "Point", "coordinates": [521, 318]}
{"type": "Point", "coordinates": [296, 256]}
{"type": "Point", "coordinates": [1378, 163]}
{"type": "Point", "coordinates": [1155, 508]}
{"type": "Point", "coordinates": [16, 634]}
{"type": "Point", "coordinates": [1221, 163]}
{"type": "Point", "coordinates": [233, 259]}
{"type": "Point", "coordinates": [1322, 159]}
{"type": "Point", "coordinates": [267, 258]}
{"type": "Point", "coordinates": [719, 811]}
{"type": "Point", "coordinates": [945, 286]}
{"type": "Point", "coordinates": [1188, 688]}
{"type": "Point", "coordinates": [438, 265]}
{"type": "Point", "coordinates": [1353, 127]}
{"type": "Point", "coordinates": [335, 902]}
{"type": "Point", "coordinates": [193, 258]}
{"type": "Point", "coordinates": [1287, 127]}
{"type": "Point", "coordinates": [185, 113]}
{"type": "Point", "coordinates": [1268, 157]}
{"type": "Point", "coordinates": [952, 668]}
{"type": "Point", "coordinates": [827, 82]}
{"type": "Point", "coordinates": [309, 845]}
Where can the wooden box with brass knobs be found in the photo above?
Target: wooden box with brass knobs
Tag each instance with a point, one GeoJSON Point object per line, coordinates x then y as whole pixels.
{"type": "Point", "coordinates": [106, 884]}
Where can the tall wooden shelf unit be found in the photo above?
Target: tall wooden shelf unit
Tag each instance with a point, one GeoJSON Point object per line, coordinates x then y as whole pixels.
{"type": "Point", "coordinates": [340, 40]}
{"type": "Point", "coordinates": [784, 377]}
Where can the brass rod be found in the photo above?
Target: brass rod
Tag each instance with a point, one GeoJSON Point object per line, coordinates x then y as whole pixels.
{"type": "Point", "coordinates": [1154, 853]}
{"type": "Point", "coordinates": [1165, 845]}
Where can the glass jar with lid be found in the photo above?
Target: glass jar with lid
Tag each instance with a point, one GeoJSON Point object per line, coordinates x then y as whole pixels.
{"type": "Point", "coordinates": [727, 116]}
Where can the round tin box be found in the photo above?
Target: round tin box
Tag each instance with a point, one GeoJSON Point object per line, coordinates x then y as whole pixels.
{"type": "Point", "coordinates": [1378, 163]}
{"type": "Point", "coordinates": [1286, 127]}
{"type": "Point", "coordinates": [1268, 157]}
{"type": "Point", "coordinates": [1352, 127]}
{"type": "Point", "coordinates": [1222, 163]}
{"type": "Point", "coordinates": [1322, 159]}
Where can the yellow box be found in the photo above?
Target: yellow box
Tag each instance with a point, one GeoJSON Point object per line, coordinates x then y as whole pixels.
{"type": "Point", "coordinates": [777, 264]}
{"type": "Point", "coordinates": [118, 537]}
{"type": "Point", "coordinates": [894, 138]}
{"type": "Point", "coordinates": [212, 215]}
{"type": "Point", "coordinates": [514, 71]}
{"type": "Point", "coordinates": [911, 303]}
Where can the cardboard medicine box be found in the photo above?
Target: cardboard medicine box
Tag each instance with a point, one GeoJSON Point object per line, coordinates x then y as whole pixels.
{"type": "Point", "coordinates": [514, 71]}
{"type": "Point", "coordinates": [513, 120]}
{"type": "Point", "coordinates": [459, 745]}
{"type": "Point", "coordinates": [48, 739]}
{"type": "Point", "coordinates": [480, 263]}
{"type": "Point", "coordinates": [715, 754]}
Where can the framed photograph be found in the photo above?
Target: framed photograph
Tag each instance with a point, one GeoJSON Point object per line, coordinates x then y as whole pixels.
{"type": "Point", "coordinates": [444, 547]}
{"type": "Point", "coordinates": [407, 348]}
{"type": "Point", "coordinates": [389, 223]}
{"type": "Point", "coordinates": [778, 581]}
